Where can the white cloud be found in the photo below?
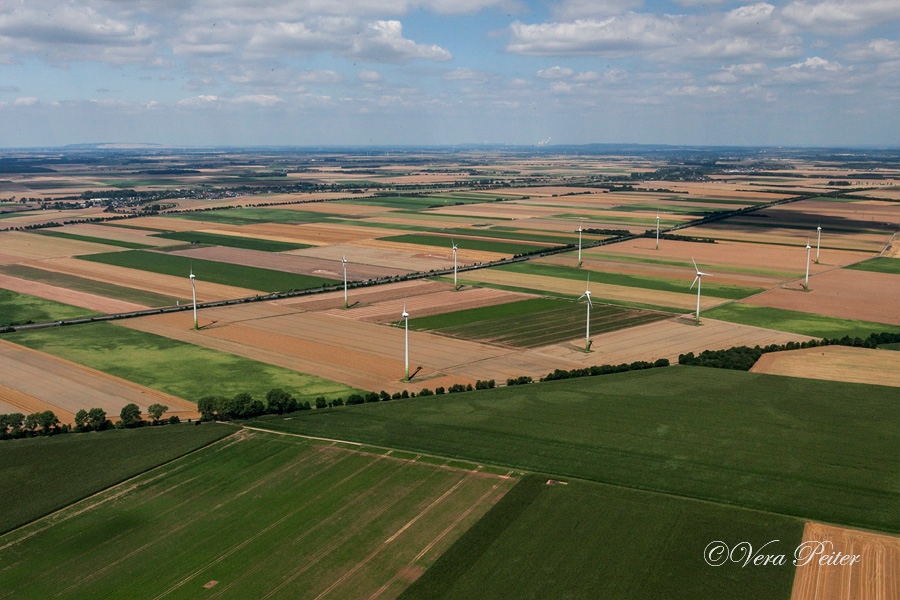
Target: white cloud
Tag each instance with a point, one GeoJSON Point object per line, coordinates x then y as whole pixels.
{"type": "Point", "coordinates": [877, 50]}
{"type": "Point", "coordinates": [27, 101]}
{"type": "Point", "coordinates": [369, 76]}
{"type": "Point", "coordinates": [555, 73]}
{"type": "Point", "coordinates": [319, 76]}
{"type": "Point", "coordinates": [615, 36]}
{"type": "Point", "coordinates": [735, 73]}
{"type": "Point", "coordinates": [842, 17]}
{"type": "Point", "coordinates": [383, 41]}
{"type": "Point", "coordinates": [470, 75]}
{"type": "Point", "coordinates": [576, 9]}
{"type": "Point", "coordinates": [813, 70]}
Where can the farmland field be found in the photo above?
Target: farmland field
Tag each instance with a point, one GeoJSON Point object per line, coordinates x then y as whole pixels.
{"type": "Point", "coordinates": [253, 516]}
{"type": "Point", "coordinates": [881, 264]}
{"type": "Point", "coordinates": [207, 270]}
{"type": "Point", "coordinates": [468, 244]}
{"type": "Point", "coordinates": [171, 366]}
{"type": "Point", "coordinates": [247, 216]}
{"type": "Point", "coordinates": [17, 308]}
{"type": "Point", "coordinates": [716, 290]}
{"type": "Point", "coordinates": [598, 541]}
{"type": "Point", "coordinates": [214, 239]}
{"type": "Point", "coordinates": [534, 323]}
{"type": "Point", "coordinates": [70, 461]}
{"type": "Point", "coordinates": [689, 431]}
{"type": "Point", "coordinates": [95, 240]}
{"type": "Point", "coordinates": [796, 322]}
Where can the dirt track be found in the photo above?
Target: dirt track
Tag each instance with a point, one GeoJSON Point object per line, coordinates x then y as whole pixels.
{"type": "Point", "coordinates": [875, 577]}
{"type": "Point", "coordinates": [834, 363]}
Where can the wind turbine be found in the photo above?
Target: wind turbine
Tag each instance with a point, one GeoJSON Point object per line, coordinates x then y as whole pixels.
{"type": "Point", "coordinates": [808, 249]}
{"type": "Point", "coordinates": [454, 263]}
{"type": "Point", "coordinates": [579, 230]}
{"type": "Point", "coordinates": [344, 262]}
{"type": "Point", "coordinates": [194, 292]}
{"type": "Point", "coordinates": [818, 241]}
{"type": "Point", "coordinates": [698, 280]}
{"type": "Point", "coordinates": [405, 317]}
{"type": "Point", "coordinates": [587, 334]}
{"type": "Point", "coordinates": [657, 229]}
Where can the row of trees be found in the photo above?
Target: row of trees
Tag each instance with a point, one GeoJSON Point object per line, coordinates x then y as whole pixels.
{"type": "Point", "coordinates": [742, 358]}
{"type": "Point", "coordinates": [604, 369]}
{"type": "Point", "coordinates": [46, 423]}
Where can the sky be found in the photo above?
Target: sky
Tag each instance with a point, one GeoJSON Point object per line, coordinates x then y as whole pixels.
{"type": "Point", "coordinates": [440, 72]}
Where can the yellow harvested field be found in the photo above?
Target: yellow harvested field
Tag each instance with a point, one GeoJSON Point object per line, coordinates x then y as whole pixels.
{"type": "Point", "coordinates": [18, 246]}
{"type": "Point", "coordinates": [35, 381]}
{"type": "Point", "coordinates": [667, 339]}
{"type": "Point", "coordinates": [316, 234]}
{"type": "Point", "coordinates": [46, 216]}
{"type": "Point", "coordinates": [893, 248]}
{"type": "Point", "coordinates": [834, 363]}
{"type": "Point", "coordinates": [121, 234]}
{"type": "Point", "coordinates": [687, 300]}
{"type": "Point", "coordinates": [506, 210]}
{"type": "Point", "coordinates": [404, 258]}
{"type": "Point", "coordinates": [337, 208]}
{"type": "Point", "coordinates": [66, 296]}
{"type": "Point", "coordinates": [875, 576]}
{"type": "Point", "coordinates": [167, 285]}
{"type": "Point", "coordinates": [843, 293]}
{"type": "Point", "coordinates": [464, 256]}
{"type": "Point", "coordinates": [167, 224]}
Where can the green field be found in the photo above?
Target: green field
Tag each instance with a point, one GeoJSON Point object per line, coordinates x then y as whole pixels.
{"type": "Point", "coordinates": [17, 308]}
{"type": "Point", "coordinates": [468, 244]}
{"type": "Point", "coordinates": [881, 264]}
{"type": "Point", "coordinates": [795, 321]}
{"type": "Point", "coordinates": [263, 516]}
{"type": "Point", "coordinates": [171, 366]}
{"type": "Point", "coordinates": [533, 323]}
{"type": "Point", "coordinates": [93, 240]}
{"type": "Point", "coordinates": [253, 278]}
{"type": "Point", "coordinates": [812, 449]}
{"type": "Point", "coordinates": [716, 290]}
{"type": "Point", "coordinates": [417, 202]}
{"type": "Point", "coordinates": [588, 541]}
{"type": "Point", "coordinates": [214, 239]}
{"type": "Point", "coordinates": [41, 475]}
{"type": "Point", "coordinates": [248, 216]}
{"type": "Point", "coordinates": [90, 286]}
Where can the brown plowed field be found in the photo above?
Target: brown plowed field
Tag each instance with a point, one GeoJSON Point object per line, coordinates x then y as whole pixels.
{"type": "Point", "coordinates": [498, 211]}
{"type": "Point", "coordinates": [733, 254]}
{"type": "Point", "coordinates": [843, 293]}
{"type": "Point", "coordinates": [834, 363]}
{"type": "Point", "coordinates": [65, 387]}
{"type": "Point", "coordinates": [876, 576]}
{"type": "Point", "coordinates": [336, 208]}
{"type": "Point", "coordinates": [167, 285]}
{"type": "Point", "coordinates": [688, 300]}
{"type": "Point", "coordinates": [166, 224]}
{"type": "Point", "coordinates": [668, 339]}
{"type": "Point", "coordinates": [82, 299]}
{"type": "Point", "coordinates": [47, 216]}
{"type": "Point", "coordinates": [17, 246]}
{"type": "Point", "coordinates": [431, 304]}
{"type": "Point", "coordinates": [362, 297]}
{"type": "Point", "coordinates": [735, 230]}
{"type": "Point", "coordinates": [291, 263]}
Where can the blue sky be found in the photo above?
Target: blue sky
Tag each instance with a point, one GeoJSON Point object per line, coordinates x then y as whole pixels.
{"type": "Point", "coordinates": [313, 72]}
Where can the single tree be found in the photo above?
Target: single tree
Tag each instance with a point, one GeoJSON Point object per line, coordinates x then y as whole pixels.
{"type": "Point", "coordinates": [130, 415]}
{"type": "Point", "coordinates": [156, 411]}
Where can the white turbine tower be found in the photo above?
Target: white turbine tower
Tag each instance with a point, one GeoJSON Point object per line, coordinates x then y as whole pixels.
{"type": "Point", "coordinates": [698, 280]}
{"type": "Point", "coordinates": [405, 317]}
{"type": "Point", "coordinates": [808, 249]}
{"type": "Point", "coordinates": [344, 262]}
{"type": "Point", "coordinates": [579, 230]}
{"type": "Point", "coordinates": [454, 263]}
{"type": "Point", "coordinates": [657, 229]}
{"type": "Point", "coordinates": [194, 292]}
{"type": "Point", "coordinates": [587, 334]}
{"type": "Point", "coordinates": [818, 241]}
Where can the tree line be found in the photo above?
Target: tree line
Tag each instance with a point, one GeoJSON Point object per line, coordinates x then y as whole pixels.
{"type": "Point", "coordinates": [742, 358]}
{"type": "Point", "coordinates": [46, 423]}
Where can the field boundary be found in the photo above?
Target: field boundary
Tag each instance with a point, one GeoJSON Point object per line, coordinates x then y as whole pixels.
{"type": "Point", "coordinates": [49, 514]}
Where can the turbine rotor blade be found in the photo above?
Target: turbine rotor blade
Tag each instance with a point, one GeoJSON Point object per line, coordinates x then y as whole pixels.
{"type": "Point", "coordinates": [695, 281]}
{"type": "Point", "coordinates": [695, 264]}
